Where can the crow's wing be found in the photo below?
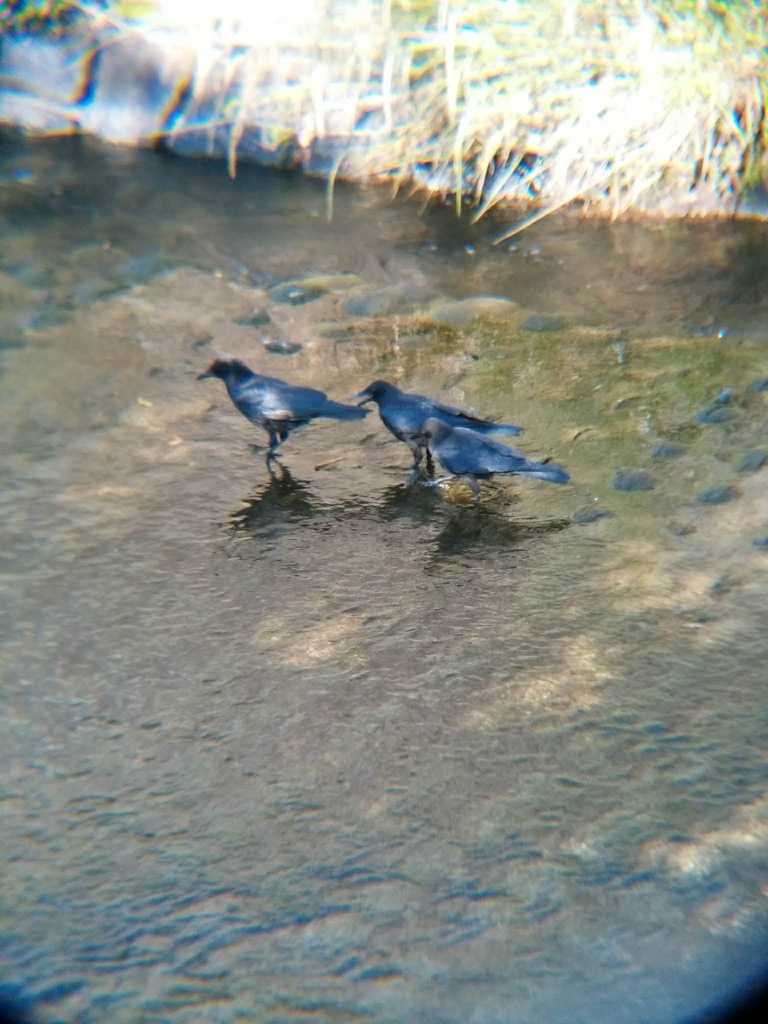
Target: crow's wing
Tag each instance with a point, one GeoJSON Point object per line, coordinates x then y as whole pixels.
{"type": "Point", "coordinates": [290, 403]}
{"type": "Point", "coordinates": [492, 449]}
{"type": "Point", "coordinates": [464, 451]}
{"type": "Point", "coordinates": [441, 409]}
{"type": "Point", "coordinates": [405, 414]}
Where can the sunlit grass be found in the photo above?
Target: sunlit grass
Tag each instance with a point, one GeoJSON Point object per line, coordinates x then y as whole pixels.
{"type": "Point", "coordinates": [655, 107]}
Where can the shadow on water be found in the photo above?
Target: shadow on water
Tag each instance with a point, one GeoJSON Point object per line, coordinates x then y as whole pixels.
{"type": "Point", "coordinates": [282, 500]}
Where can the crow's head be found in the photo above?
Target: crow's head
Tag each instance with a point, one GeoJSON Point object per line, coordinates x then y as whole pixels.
{"type": "Point", "coordinates": [376, 392]}
{"type": "Point", "coordinates": [226, 369]}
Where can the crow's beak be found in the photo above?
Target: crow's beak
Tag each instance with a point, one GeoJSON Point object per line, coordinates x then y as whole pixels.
{"type": "Point", "coordinates": [204, 376]}
{"type": "Point", "coordinates": [365, 396]}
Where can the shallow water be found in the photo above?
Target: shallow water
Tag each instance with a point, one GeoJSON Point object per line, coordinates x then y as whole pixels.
{"type": "Point", "coordinates": [314, 745]}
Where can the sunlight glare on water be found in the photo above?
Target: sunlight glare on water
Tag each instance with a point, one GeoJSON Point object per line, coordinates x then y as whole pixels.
{"type": "Point", "coordinates": [312, 744]}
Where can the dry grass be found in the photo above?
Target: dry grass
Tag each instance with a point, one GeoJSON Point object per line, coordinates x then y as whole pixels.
{"type": "Point", "coordinates": [655, 107]}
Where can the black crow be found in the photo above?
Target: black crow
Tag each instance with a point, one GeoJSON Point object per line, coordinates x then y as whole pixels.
{"type": "Point", "coordinates": [467, 453]}
{"type": "Point", "coordinates": [404, 415]}
{"type": "Point", "coordinates": [275, 405]}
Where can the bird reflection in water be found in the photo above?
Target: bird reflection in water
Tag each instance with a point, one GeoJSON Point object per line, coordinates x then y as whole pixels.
{"type": "Point", "coordinates": [465, 526]}
{"type": "Point", "coordinates": [483, 527]}
{"type": "Point", "coordinates": [281, 500]}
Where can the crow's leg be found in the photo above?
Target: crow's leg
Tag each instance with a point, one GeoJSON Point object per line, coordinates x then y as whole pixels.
{"type": "Point", "coordinates": [419, 450]}
{"type": "Point", "coordinates": [436, 481]}
{"type": "Point", "coordinates": [474, 486]}
{"type": "Point", "coordinates": [274, 443]}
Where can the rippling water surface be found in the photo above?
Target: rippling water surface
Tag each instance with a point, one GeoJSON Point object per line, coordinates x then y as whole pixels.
{"type": "Point", "coordinates": [315, 746]}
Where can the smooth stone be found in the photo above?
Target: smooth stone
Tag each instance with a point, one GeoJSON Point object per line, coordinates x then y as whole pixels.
{"type": "Point", "coordinates": [542, 322]}
{"type": "Point", "coordinates": [761, 384]}
{"type": "Point", "coordinates": [258, 318]}
{"type": "Point", "coordinates": [293, 293]}
{"type": "Point", "coordinates": [462, 312]}
{"type": "Point", "coordinates": [717, 495]}
{"type": "Point", "coordinates": [752, 461]}
{"type": "Point", "coordinates": [632, 480]}
{"type": "Point", "coordinates": [283, 348]}
{"type": "Point", "coordinates": [667, 450]}
{"type": "Point", "coordinates": [591, 514]}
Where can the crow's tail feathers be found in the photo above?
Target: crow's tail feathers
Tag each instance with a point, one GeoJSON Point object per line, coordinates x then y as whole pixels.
{"type": "Point", "coordinates": [550, 472]}
{"type": "Point", "coordinates": [338, 411]}
{"type": "Point", "coordinates": [509, 429]}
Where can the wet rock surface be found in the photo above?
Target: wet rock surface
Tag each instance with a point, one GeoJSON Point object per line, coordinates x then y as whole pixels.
{"type": "Point", "coordinates": [633, 480]}
{"type": "Point", "coordinates": [717, 495]}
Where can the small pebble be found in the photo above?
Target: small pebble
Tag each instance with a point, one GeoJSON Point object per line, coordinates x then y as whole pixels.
{"type": "Point", "coordinates": [667, 450]}
{"type": "Point", "coordinates": [632, 480]}
{"type": "Point", "coordinates": [761, 542]}
{"type": "Point", "coordinates": [752, 461]}
{"type": "Point", "coordinates": [761, 384]}
{"type": "Point", "coordinates": [590, 514]}
{"type": "Point", "coordinates": [717, 495]}
{"type": "Point", "coordinates": [282, 348]}
{"type": "Point", "coordinates": [470, 249]}
{"type": "Point", "coordinates": [541, 322]}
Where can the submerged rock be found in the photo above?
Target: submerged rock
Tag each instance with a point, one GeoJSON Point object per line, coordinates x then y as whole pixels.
{"type": "Point", "coordinates": [540, 323]}
{"type": "Point", "coordinates": [714, 414]}
{"type": "Point", "coordinates": [752, 462]}
{"type": "Point", "coordinates": [667, 450]}
{"type": "Point", "coordinates": [462, 312]}
{"type": "Point", "coordinates": [282, 348]}
{"type": "Point", "coordinates": [257, 318]}
{"type": "Point", "coordinates": [11, 343]}
{"type": "Point", "coordinates": [295, 293]}
{"type": "Point", "coordinates": [761, 384]}
{"type": "Point", "coordinates": [387, 301]}
{"type": "Point", "coordinates": [716, 411]}
{"type": "Point", "coordinates": [632, 480]}
{"type": "Point", "coordinates": [331, 282]}
{"type": "Point", "coordinates": [91, 290]}
{"type": "Point", "coordinates": [591, 514]}
{"type": "Point", "coordinates": [142, 268]}
{"type": "Point", "coordinates": [761, 542]}
{"type": "Point", "coordinates": [717, 495]}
